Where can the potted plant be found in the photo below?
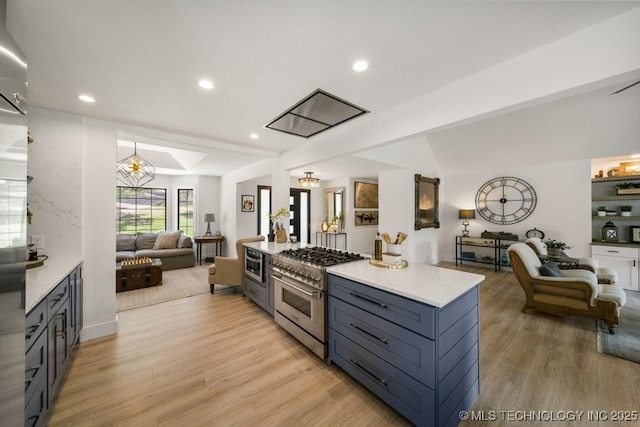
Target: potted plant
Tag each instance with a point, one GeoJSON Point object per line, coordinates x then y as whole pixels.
{"type": "Point", "coordinates": [555, 247]}
{"type": "Point", "coordinates": [625, 210]}
{"type": "Point", "coordinates": [602, 211]}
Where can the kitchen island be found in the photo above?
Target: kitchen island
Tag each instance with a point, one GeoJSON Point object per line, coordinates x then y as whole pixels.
{"type": "Point", "coordinates": [409, 335]}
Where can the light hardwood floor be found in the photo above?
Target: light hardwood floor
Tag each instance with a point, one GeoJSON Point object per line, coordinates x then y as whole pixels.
{"type": "Point", "coordinates": [218, 360]}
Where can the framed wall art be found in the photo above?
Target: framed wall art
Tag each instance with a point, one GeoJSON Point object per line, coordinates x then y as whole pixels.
{"type": "Point", "coordinates": [427, 205]}
{"type": "Point", "coordinates": [630, 168]}
{"type": "Point", "coordinates": [635, 234]}
{"type": "Point", "coordinates": [366, 218]}
{"type": "Point", "coordinates": [247, 203]}
{"type": "Point", "coordinates": [365, 195]}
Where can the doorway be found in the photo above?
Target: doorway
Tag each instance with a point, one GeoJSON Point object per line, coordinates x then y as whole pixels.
{"type": "Point", "coordinates": [300, 220]}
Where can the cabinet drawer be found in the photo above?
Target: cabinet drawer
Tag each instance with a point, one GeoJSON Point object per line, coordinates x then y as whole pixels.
{"type": "Point", "coordinates": [35, 323]}
{"type": "Point", "coordinates": [406, 350]}
{"type": "Point", "coordinates": [255, 291]}
{"type": "Point", "coordinates": [35, 406]}
{"type": "Point", "coordinates": [614, 251]}
{"type": "Point", "coordinates": [57, 297]}
{"type": "Point", "coordinates": [415, 316]}
{"type": "Point", "coordinates": [406, 395]}
{"type": "Point", "coordinates": [35, 365]}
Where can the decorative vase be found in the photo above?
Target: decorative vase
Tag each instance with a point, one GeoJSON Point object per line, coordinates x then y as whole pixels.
{"type": "Point", "coordinates": [554, 252]}
{"type": "Point", "coordinates": [626, 213]}
{"type": "Point", "coordinates": [325, 226]}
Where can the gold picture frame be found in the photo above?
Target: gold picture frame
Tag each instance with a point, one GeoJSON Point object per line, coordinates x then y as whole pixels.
{"type": "Point", "coordinates": [630, 168]}
{"type": "Point", "coordinates": [427, 203]}
{"type": "Point", "coordinates": [365, 195]}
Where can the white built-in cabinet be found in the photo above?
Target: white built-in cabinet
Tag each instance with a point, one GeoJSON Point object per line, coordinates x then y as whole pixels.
{"type": "Point", "coordinates": [623, 259]}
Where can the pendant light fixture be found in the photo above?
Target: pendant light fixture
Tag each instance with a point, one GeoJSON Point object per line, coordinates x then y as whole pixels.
{"type": "Point", "coordinates": [308, 181]}
{"type": "Point", "coordinates": [134, 171]}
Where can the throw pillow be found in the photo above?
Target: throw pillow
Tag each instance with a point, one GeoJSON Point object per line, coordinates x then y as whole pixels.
{"type": "Point", "coordinates": [125, 242]}
{"type": "Point", "coordinates": [146, 240]}
{"type": "Point", "coordinates": [167, 240]}
{"type": "Point", "coordinates": [184, 242]}
{"type": "Point", "coordinates": [551, 269]}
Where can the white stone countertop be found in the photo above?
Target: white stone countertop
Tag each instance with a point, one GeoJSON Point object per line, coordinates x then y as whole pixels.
{"type": "Point", "coordinates": [41, 280]}
{"type": "Point", "coordinates": [431, 285]}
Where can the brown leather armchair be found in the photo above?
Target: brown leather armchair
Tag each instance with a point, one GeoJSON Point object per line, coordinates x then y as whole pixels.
{"type": "Point", "coordinates": [605, 275]}
{"type": "Point", "coordinates": [574, 293]}
{"type": "Point", "coordinates": [230, 271]}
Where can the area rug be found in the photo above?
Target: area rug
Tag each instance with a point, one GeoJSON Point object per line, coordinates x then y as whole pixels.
{"type": "Point", "coordinates": [625, 343]}
{"type": "Point", "coordinates": [176, 284]}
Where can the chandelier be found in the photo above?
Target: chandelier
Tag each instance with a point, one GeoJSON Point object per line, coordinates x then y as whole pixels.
{"type": "Point", "coordinates": [309, 181]}
{"type": "Point", "coordinates": [134, 171]}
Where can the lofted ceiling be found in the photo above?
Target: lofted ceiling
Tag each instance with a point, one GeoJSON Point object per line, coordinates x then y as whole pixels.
{"type": "Point", "coordinates": [142, 60]}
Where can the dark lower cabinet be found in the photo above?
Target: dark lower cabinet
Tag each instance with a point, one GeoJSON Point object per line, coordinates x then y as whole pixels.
{"type": "Point", "coordinates": [261, 293]}
{"type": "Point", "coordinates": [52, 331]}
{"type": "Point", "coordinates": [421, 360]}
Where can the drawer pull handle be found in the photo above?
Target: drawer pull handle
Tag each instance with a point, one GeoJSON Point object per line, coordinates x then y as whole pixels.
{"type": "Point", "coordinates": [613, 252]}
{"type": "Point", "coordinates": [34, 368]}
{"type": "Point", "coordinates": [252, 292]}
{"type": "Point", "coordinates": [33, 329]}
{"type": "Point", "coordinates": [380, 380]}
{"type": "Point", "coordinates": [383, 340]}
{"type": "Point", "coordinates": [381, 304]}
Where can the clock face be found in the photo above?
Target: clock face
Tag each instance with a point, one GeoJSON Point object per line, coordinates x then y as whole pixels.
{"type": "Point", "coordinates": [505, 200]}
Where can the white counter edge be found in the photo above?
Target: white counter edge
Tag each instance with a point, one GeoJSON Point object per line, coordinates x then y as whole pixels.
{"type": "Point", "coordinates": [41, 280]}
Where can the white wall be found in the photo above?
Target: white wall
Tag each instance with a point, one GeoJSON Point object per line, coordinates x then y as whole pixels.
{"type": "Point", "coordinates": [55, 194]}
{"type": "Point", "coordinates": [563, 209]}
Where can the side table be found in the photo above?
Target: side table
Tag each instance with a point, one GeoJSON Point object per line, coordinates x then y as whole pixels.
{"type": "Point", "coordinates": [200, 240]}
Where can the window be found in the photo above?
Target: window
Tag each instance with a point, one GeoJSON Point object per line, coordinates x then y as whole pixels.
{"type": "Point", "coordinates": [141, 210]}
{"type": "Point", "coordinates": [185, 211]}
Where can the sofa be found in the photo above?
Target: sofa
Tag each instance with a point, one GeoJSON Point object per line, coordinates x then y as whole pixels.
{"type": "Point", "coordinates": [173, 248]}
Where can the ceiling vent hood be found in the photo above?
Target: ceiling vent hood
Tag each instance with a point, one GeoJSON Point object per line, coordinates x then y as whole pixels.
{"type": "Point", "coordinates": [314, 114]}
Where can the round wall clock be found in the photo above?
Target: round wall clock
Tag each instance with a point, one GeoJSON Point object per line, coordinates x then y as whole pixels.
{"type": "Point", "coordinates": [505, 200]}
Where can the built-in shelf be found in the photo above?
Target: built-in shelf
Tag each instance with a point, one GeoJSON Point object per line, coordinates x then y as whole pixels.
{"type": "Point", "coordinates": [615, 178]}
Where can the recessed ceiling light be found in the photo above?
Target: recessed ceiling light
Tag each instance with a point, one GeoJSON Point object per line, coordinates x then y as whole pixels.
{"type": "Point", "coordinates": [86, 98]}
{"type": "Point", "coordinates": [360, 66]}
{"type": "Point", "coordinates": [254, 136]}
{"type": "Point", "coordinates": [205, 84]}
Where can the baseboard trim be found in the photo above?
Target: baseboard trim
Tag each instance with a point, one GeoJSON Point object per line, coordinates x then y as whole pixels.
{"type": "Point", "coordinates": [92, 332]}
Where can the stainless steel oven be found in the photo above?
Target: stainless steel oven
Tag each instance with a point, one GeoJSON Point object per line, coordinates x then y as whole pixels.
{"type": "Point", "coordinates": [254, 264]}
{"type": "Point", "coordinates": [301, 310]}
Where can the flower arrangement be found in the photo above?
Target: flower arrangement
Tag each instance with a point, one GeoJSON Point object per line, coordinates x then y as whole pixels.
{"type": "Point", "coordinates": [556, 244]}
{"type": "Point", "coordinates": [282, 213]}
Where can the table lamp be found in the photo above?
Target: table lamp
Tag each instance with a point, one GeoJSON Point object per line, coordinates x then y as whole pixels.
{"type": "Point", "coordinates": [466, 214]}
{"type": "Point", "coordinates": [208, 218]}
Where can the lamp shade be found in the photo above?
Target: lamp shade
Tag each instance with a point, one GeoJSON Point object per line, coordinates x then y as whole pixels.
{"type": "Point", "coordinates": [467, 214]}
{"type": "Point", "coordinates": [209, 217]}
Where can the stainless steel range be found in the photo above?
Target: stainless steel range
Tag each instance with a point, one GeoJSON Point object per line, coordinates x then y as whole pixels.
{"type": "Point", "coordinates": [300, 290]}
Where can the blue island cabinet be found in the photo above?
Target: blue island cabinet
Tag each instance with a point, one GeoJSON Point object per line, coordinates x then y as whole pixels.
{"type": "Point", "coordinates": [421, 360]}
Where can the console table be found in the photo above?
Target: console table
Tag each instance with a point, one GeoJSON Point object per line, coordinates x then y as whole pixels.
{"type": "Point", "coordinates": [200, 240]}
{"type": "Point", "coordinates": [330, 239]}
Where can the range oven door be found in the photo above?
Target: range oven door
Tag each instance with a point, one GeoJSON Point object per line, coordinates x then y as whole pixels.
{"type": "Point", "coordinates": [301, 304]}
{"type": "Point", "coordinates": [254, 264]}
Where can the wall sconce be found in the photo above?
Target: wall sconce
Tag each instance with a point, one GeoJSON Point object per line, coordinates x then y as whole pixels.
{"type": "Point", "coordinates": [208, 218]}
{"type": "Point", "coordinates": [466, 215]}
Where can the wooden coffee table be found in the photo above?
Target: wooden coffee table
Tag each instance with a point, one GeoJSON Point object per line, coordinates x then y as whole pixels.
{"type": "Point", "coordinates": [139, 276]}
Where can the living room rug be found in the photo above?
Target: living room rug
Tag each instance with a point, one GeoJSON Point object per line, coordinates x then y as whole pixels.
{"type": "Point", "coordinates": [176, 284]}
{"type": "Point", "coordinates": [625, 343]}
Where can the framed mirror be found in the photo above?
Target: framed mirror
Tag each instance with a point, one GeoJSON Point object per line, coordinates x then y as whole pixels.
{"type": "Point", "coordinates": [333, 204]}
{"type": "Point", "coordinates": [427, 202]}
